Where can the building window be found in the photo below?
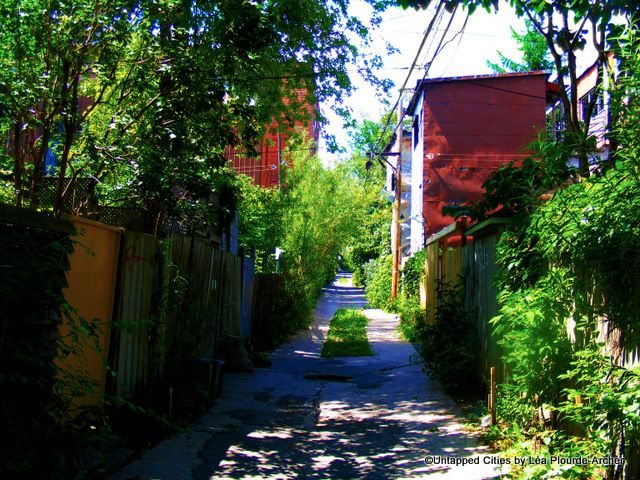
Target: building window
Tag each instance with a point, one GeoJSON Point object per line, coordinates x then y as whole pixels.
{"type": "Point", "coordinates": [416, 130]}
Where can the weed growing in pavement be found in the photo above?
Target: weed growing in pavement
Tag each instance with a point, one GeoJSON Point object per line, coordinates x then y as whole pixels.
{"type": "Point", "coordinates": [347, 335]}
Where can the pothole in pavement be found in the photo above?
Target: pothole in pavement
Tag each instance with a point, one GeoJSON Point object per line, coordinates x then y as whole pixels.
{"type": "Point", "coordinates": [327, 377]}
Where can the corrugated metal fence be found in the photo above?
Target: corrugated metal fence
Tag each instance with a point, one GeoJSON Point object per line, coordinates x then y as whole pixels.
{"type": "Point", "coordinates": [176, 297]}
{"type": "Point", "coordinates": [161, 309]}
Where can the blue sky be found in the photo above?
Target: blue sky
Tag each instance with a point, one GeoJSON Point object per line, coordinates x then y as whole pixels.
{"type": "Point", "coordinates": [484, 34]}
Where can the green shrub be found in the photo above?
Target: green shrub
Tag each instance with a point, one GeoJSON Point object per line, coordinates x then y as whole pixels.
{"type": "Point", "coordinates": [412, 319]}
{"type": "Point", "coordinates": [449, 344]}
{"type": "Point", "coordinates": [378, 286]}
{"type": "Point", "coordinates": [412, 273]}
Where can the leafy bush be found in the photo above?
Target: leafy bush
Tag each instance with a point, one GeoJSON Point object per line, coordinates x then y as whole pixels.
{"type": "Point", "coordinates": [570, 278]}
{"type": "Point", "coordinates": [377, 276]}
{"type": "Point", "coordinates": [37, 429]}
{"type": "Point", "coordinates": [413, 273]}
{"type": "Point", "coordinates": [449, 344]}
{"type": "Point", "coordinates": [532, 331]}
{"type": "Point", "coordinates": [378, 286]}
{"type": "Point", "coordinates": [311, 220]}
{"type": "Point", "coordinates": [412, 318]}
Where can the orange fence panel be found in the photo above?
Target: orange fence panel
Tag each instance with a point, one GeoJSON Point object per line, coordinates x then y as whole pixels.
{"type": "Point", "coordinates": [90, 293]}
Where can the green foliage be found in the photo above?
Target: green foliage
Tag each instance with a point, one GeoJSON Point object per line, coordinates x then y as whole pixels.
{"type": "Point", "coordinates": [261, 223]}
{"type": "Point", "coordinates": [34, 420]}
{"type": "Point", "coordinates": [377, 278]}
{"type": "Point", "coordinates": [515, 409]}
{"type": "Point", "coordinates": [412, 316]}
{"type": "Point", "coordinates": [606, 400]}
{"type": "Point", "coordinates": [413, 273]}
{"type": "Point", "coordinates": [449, 345]}
{"type": "Point", "coordinates": [534, 49]}
{"type": "Point", "coordinates": [312, 219]}
{"type": "Point", "coordinates": [347, 336]}
{"type": "Point", "coordinates": [378, 284]}
{"type": "Point", "coordinates": [153, 91]}
{"type": "Point", "coordinates": [373, 238]}
{"type": "Point", "coordinates": [569, 280]}
{"type": "Point", "coordinates": [532, 331]}
{"type": "Point", "coordinates": [412, 324]}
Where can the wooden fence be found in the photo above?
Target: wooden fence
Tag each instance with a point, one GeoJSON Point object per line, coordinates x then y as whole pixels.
{"type": "Point", "coordinates": [455, 254]}
{"type": "Point", "coordinates": [443, 263]}
{"type": "Point", "coordinates": [153, 307]}
{"type": "Point", "coordinates": [470, 254]}
{"type": "Point", "coordinates": [481, 294]}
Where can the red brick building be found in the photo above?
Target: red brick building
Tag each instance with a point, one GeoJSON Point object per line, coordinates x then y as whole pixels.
{"type": "Point", "coordinates": [265, 168]}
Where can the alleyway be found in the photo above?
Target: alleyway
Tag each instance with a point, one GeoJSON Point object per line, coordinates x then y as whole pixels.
{"type": "Point", "coordinates": [308, 417]}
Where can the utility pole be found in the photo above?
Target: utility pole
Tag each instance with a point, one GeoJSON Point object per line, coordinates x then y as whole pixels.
{"type": "Point", "coordinates": [395, 223]}
{"type": "Point", "coordinates": [396, 232]}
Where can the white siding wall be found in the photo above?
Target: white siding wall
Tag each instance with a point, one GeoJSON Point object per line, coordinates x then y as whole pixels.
{"type": "Point", "coordinates": [417, 172]}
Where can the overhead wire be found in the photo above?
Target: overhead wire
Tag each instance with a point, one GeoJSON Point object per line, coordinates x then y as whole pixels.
{"type": "Point", "coordinates": [426, 72]}
{"type": "Point", "coordinates": [427, 33]}
{"type": "Point", "coordinates": [458, 34]}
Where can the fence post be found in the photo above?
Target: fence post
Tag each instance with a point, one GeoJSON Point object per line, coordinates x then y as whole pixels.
{"type": "Point", "coordinates": [492, 396]}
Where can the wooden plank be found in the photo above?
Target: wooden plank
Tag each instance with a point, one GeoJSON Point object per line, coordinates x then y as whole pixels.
{"type": "Point", "coordinates": [452, 264]}
{"type": "Point", "coordinates": [432, 276]}
{"type": "Point", "coordinates": [446, 231]}
{"type": "Point", "coordinates": [21, 216]}
{"type": "Point", "coordinates": [482, 298]}
{"type": "Point", "coordinates": [487, 226]}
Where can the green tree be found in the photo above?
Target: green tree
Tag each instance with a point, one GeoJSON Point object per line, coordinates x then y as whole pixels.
{"type": "Point", "coordinates": [569, 294]}
{"type": "Point", "coordinates": [373, 234]}
{"type": "Point", "coordinates": [167, 86]}
{"type": "Point", "coordinates": [311, 219]}
{"type": "Point", "coordinates": [534, 49]}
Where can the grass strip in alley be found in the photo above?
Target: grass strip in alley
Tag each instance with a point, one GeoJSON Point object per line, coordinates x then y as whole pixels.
{"type": "Point", "coordinates": [347, 335]}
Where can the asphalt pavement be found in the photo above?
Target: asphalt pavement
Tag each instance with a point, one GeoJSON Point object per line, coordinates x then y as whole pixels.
{"type": "Point", "coordinates": [307, 417]}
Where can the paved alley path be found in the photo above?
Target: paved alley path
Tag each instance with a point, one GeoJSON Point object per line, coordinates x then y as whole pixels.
{"type": "Point", "coordinates": [311, 418]}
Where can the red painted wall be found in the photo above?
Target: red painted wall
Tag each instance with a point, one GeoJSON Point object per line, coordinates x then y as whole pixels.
{"type": "Point", "coordinates": [265, 168]}
{"type": "Point", "coordinates": [471, 126]}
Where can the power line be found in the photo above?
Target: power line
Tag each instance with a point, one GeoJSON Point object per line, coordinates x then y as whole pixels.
{"type": "Point", "coordinates": [515, 92]}
{"type": "Point", "coordinates": [458, 34]}
{"type": "Point", "coordinates": [438, 12]}
{"type": "Point", "coordinates": [426, 72]}
{"type": "Point", "coordinates": [475, 34]}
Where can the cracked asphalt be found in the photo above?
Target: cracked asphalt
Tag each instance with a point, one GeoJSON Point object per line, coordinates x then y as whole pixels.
{"type": "Point", "coordinates": [308, 417]}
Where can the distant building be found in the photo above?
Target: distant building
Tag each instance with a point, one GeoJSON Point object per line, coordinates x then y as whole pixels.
{"type": "Point", "coordinates": [599, 120]}
{"type": "Point", "coordinates": [265, 167]}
